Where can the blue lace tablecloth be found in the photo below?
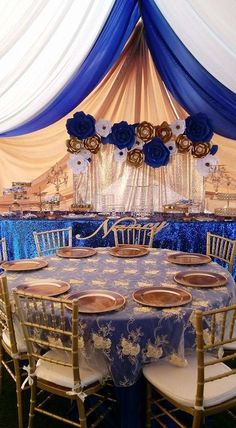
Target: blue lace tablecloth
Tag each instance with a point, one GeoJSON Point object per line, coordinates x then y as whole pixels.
{"type": "Point", "coordinates": [136, 334]}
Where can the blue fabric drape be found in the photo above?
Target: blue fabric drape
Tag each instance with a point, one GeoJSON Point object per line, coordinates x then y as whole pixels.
{"type": "Point", "coordinates": [106, 50]}
{"type": "Point", "coordinates": [188, 81]}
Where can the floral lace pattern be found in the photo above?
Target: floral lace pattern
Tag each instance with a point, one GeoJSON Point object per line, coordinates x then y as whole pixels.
{"type": "Point", "coordinates": [135, 335]}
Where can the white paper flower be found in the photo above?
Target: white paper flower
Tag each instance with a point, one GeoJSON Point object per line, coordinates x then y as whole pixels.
{"type": "Point", "coordinates": [103, 127]}
{"type": "Point", "coordinates": [138, 144]}
{"type": "Point", "coordinates": [206, 165]}
{"type": "Point", "coordinates": [86, 154]}
{"type": "Point", "coordinates": [178, 127]}
{"type": "Point", "coordinates": [78, 164]}
{"type": "Point", "coordinates": [171, 146]}
{"type": "Point", "coordinates": [120, 155]}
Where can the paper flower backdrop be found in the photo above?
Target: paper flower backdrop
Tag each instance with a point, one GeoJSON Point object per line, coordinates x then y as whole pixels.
{"type": "Point", "coordinates": [140, 143]}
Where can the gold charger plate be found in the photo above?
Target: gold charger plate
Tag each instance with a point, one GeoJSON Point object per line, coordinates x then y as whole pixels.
{"type": "Point", "coordinates": [76, 252]}
{"type": "Point", "coordinates": [24, 265]}
{"type": "Point", "coordinates": [98, 301]}
{"type": "Point", "coordinates": [200, 279]}
{"type": "Point", "coordinates": [162, 297]}
{"type": "Point", "coordinates": [45, 288]}
{"type": "Point", "coordinates": [127, 250]}
{"type": "Point", "coordinates": [188, 258]}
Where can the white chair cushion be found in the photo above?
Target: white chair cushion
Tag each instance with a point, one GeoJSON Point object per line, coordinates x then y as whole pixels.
{"type": "Point", "coordinates": [180, 383]}
{"type": "Point", "coordinates": [20, 341]}
{"type": "Point", "coordinates": [62, 375]}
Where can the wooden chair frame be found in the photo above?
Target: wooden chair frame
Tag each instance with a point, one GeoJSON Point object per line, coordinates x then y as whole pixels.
{"type": "Point", "coordinates": [221, 248]}
{"type": "Point", "coordinates": [48, 241]}
{"type": "Point", "coordinates": [218, 335]}
{"type": "Point", "coordinates": [10, 358]}
{"type": "Point", "coordinates": [134, 234]}
{"type": "Point", "coordinates": [44, 318]}
{"type": "Point", "coordinates": [3, 250]}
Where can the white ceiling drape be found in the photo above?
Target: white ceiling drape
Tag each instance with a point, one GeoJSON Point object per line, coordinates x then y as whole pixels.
{"type": "Point", "coordinates": [42, 44]}
{"type": "Point", "coordinates": [207, 28]}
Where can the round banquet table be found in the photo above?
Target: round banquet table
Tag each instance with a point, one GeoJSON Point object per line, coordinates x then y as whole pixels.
{"type": "Point", "coordinates": [134, 335]}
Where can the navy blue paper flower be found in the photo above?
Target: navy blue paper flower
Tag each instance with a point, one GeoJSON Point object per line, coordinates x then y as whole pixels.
{"type": "Point", "coordinates": [122, 135]}
{"type": "Point", "coordinates": [198, 128]}
{"type": "Point", "coordinates": [81, 126]}
{"type": "Point", "coordinates": [214, 149]}
{"type": "Point", "coordinates": [156, 153]}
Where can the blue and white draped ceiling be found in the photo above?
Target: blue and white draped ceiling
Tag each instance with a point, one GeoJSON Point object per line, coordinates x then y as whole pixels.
{"type": "Point", "coordinates": [79, 41]}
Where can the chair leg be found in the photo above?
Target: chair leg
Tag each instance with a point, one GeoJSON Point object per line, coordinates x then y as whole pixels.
{"type": "Point", "coordinates": [1, 366]}
{"type": "Point", "coordinates": [32, 404]}
{"type": "Point", "coordinates": [197, 419]}
{"type": "Point", "coordinates": [18, 393]}
{"type": "Point", "coordinates": [148, 405]}
{"type": "Point", "coordinates": [82, 414]}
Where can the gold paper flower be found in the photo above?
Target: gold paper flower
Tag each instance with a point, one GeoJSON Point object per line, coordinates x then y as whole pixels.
{"type": "Point", "coordinates": [93, 143]}
{"type": "Point", "coordinates": [145, 131]}
{"type": "Point", "coordinates": [200, 150]}
{"type": "Point", "coordinates": [164, 132]}
{"type": "Point", "coordinates": [183, 144]}
{"type": "Point", "coordinates": [135, 157]}
{"type": "Point", "coordinates": [74, 145]}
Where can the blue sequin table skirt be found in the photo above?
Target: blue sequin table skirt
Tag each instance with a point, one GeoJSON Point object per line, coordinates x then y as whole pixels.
{"type": "Point", "coordinates": [177, 235]}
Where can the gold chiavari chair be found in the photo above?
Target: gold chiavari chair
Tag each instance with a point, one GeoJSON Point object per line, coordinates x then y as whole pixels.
{"type": "Point", "coordinates": [48, 241]}
{"type": "Point", "coordinates": [134, 234]}
{"type": "Point", "coordinates": [221, 248]}
{"type": "Point", "coordinates": [3, 250]}
{"type": "Point", "coordinates": [206, 385]}
{"type": "Point", "coordinates": [12, 346]}
{"type": "Point", "coordinates": [49, 324]}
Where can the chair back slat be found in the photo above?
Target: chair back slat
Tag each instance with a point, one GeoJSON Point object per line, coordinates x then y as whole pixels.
{"type": "Point", "coordinates": [134, 234]}
{"type": "Point", "coordinates": [45, 325]}
{"type": "Point", "coordinates": [49, 241]}
{"type": "Point", "coordinates": [221, 248]}
{"type": "Point", "coordinates": [214, 328]}
{"type": "Point", "coordinates": [3, 250]}
{"type": "Point", "coordinates": [6, 317]}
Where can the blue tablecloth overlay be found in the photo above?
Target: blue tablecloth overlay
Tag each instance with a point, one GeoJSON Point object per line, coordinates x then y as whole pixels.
{"type": "Point", "coordinates": [177, 235]}
{"type": "Point", "coordinates": [135, 335]}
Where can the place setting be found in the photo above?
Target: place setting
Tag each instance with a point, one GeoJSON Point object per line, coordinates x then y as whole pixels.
{"type": "Point", "coordinates": [200, 279]}
{"type": "Point", "coordinates": [24, 265]}
{"type": "Point", "coordinates": [97, 301]}
{"type": "Point", "coordinates": [49, 288]}
{"type": "Point", "coordinates": [162, 297]}
{"type": "Point", "coordinates": [76, 252]}
{"type": "Point", "coordinates": [188, 258]}
{"type": "Point", "coordinates": [129, 250]}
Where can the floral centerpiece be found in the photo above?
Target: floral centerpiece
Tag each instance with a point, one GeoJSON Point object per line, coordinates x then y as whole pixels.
{"type": "Point", "coordinates": [140, 143]}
